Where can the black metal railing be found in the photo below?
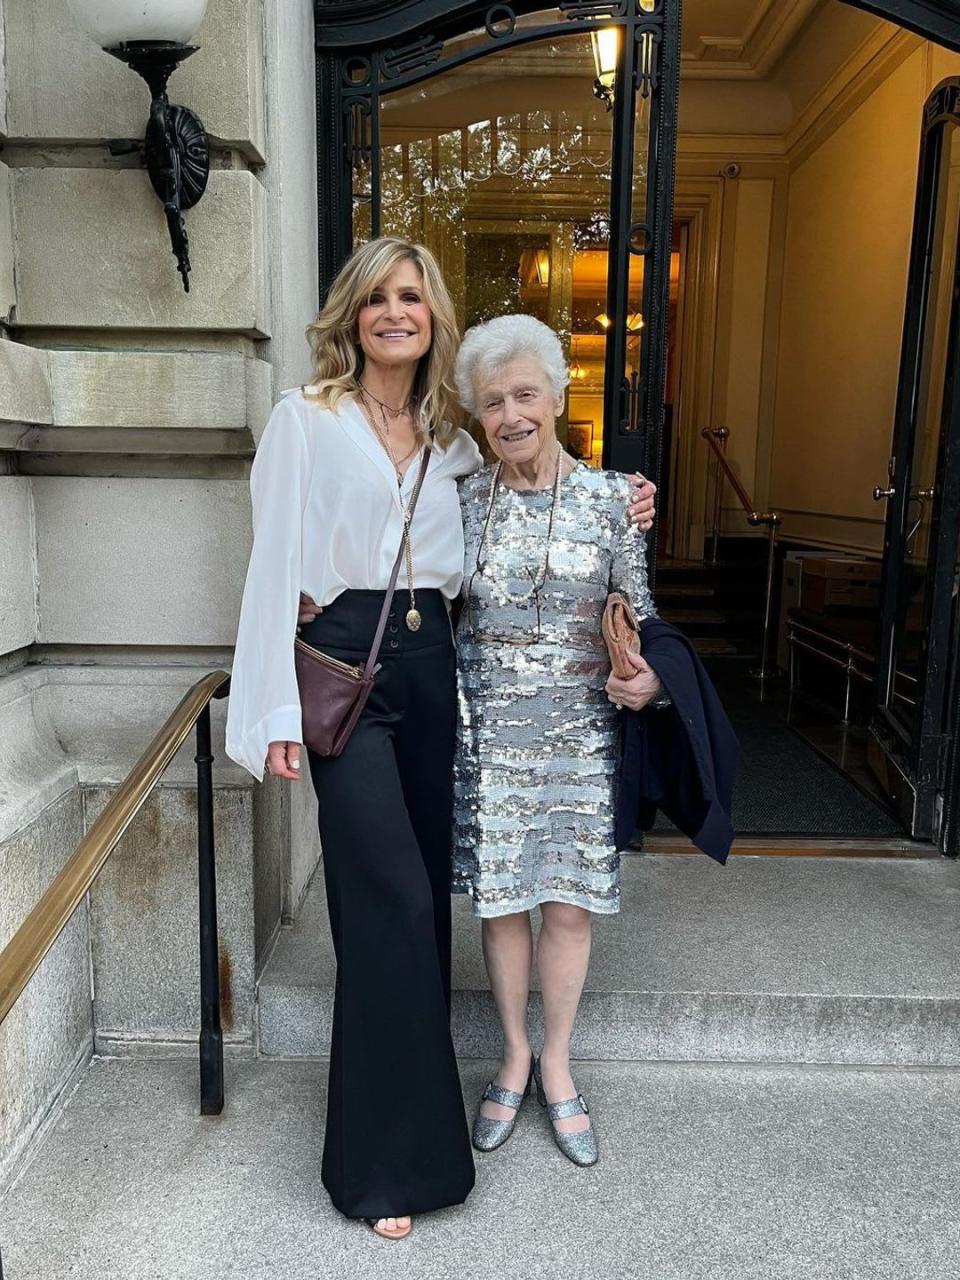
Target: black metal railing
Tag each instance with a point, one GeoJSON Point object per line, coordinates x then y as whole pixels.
{"type": "Point", "coordinates": [716, 438]}
{"type": "Point", "coordinates": [22, 955]}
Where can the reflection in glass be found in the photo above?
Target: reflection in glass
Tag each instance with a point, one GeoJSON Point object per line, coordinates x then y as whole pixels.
{"type": "Point", "coordinates": [502, 167]}
{"type": "Point", "coordinates": [506, 272]}
{"type": "Point", "coordinates": [606, 52]}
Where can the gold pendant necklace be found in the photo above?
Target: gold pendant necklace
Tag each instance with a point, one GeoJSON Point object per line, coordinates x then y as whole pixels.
{"type": "Point", "coordinates": [412, 619]}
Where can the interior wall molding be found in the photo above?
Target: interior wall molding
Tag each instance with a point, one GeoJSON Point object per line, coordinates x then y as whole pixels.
{"type": "Point", "coordinates": [831, 515]}
{"type": "Point", "coordinates": [732, 146]}
{"type": "Point", "coordinates": [774, 26]}
{"type": "Point", "coordinates": [699, 204]}
{"type": "Point", "coordinates": [720, 49]}
{"type": "Point", "coordinates": [752, 56]}
{"type": "Point", "coordinates": [847, 89]}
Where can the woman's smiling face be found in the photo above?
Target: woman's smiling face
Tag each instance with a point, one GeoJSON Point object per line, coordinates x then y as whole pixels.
{"type": "Point", "coordinates": [518, 408]}
{"type": "Point", "coordinates": [396, 325]}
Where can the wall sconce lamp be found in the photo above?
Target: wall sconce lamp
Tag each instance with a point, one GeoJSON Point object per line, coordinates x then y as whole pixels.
{"type": "Point", "coordinates": [606, 50]}
{"type": "Point", "coordinates": [603, 320]}
{"type": "Point", "coordinates": [152, 37]}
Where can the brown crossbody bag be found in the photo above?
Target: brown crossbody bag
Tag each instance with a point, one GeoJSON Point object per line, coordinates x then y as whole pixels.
{"type": "Point", "coordinates": [333, 693]}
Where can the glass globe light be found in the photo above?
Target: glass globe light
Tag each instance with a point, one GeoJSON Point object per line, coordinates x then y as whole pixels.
{"type": "Point", "coordinates": [115, 22]}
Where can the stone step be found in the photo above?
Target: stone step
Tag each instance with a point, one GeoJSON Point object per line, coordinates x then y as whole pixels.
{"type": "Point", "coordinates": [797, 960]}
{"type": "Point", "coordinates": [706, 1172]}
{"type": "Point", "coordinates": [698, 616]}
{"type": "Point", "coordinates": [717, 645]}
{"type": "Point", "coordinates": [685, 597]}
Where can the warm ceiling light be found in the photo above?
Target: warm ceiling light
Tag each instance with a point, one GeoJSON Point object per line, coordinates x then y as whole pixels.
{"type": "Point", "coordinates": [603, 320]}
{"type": "Point", "coordinates": [606, 50]}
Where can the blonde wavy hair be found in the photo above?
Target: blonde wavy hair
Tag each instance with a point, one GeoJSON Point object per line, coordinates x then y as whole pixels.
{"type": "Point", "coordinates": [335, 343]}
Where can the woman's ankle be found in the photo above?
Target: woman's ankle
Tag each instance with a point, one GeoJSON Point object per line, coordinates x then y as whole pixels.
{"type": "Point", "coordinates": [519, 1057]}
{"type": "Point", "coordinates": [555, 1061]}
{"type": "Point", "coordinates": [515, 1062]}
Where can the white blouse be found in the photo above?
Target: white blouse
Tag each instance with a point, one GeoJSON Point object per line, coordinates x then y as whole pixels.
{"type": "Point", "coordinates": [327, 516]}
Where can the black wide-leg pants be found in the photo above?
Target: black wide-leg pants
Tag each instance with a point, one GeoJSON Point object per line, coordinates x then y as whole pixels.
{"type": "Point", "coordinates": [396, 1136]}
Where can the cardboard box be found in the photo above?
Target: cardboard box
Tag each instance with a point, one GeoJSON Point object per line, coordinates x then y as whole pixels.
{"type": "Point", "coordinates": [840, 583]}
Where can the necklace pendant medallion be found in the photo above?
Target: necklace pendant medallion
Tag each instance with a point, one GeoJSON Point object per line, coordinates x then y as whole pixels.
{"type": "Point", "coordinates": [413, 619]}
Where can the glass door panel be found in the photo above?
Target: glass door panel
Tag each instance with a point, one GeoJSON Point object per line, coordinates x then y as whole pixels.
{"type": "Point", "coordinates": [505, 140]}
{"type": "Point", "coordinates": [639, 243]}
{"type": "Point", "coordinates": [501, 167]}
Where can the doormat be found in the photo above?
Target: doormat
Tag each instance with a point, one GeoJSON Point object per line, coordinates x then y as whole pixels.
{"type": "Point", "coordinates": [784, 787]}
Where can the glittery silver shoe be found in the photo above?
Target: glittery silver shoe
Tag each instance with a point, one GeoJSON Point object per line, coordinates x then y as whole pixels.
{"type": "Point", "coordinates": [581, 1147]}
{"type": "Point", "coordinates": [488, 1134]}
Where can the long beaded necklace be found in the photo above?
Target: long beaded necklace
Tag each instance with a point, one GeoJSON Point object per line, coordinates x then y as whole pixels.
{"type": "Point", "coordinates": [540, 580]}
{"type": "Point", "coordinates": [413, 618]}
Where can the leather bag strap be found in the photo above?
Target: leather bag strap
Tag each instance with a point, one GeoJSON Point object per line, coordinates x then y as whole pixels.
{"type": "Point", "coordinates": [392, 585]}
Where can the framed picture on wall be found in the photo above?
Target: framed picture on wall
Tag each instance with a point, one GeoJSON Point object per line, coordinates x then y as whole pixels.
{"type": "Point", "coordinates": [580, 438]}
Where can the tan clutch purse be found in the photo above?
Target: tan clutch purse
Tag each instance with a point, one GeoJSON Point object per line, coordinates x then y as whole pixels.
{"type": "Point", "coordinates": [621, 633]}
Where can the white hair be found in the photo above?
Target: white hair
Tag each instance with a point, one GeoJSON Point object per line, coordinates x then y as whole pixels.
{"type": "Point", "coordinates": [495, 343]}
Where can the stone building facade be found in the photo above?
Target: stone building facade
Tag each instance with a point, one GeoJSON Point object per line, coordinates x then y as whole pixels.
{"type": "Point", "coordinates": [129, 412]}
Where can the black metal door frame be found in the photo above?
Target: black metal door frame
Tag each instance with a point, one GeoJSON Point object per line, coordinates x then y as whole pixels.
{"type": "Point", "coordinates": [919, 755]}
{"type": "Point", "coordinates": [367, 49]}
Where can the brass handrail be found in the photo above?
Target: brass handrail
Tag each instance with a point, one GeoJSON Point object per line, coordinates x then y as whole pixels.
{"type": "Point", "coordinates": [754, 517]}
{"type": "Point", "coordinates": [716, 438]}
{"type": "Point", "coordinates": [22, 955]}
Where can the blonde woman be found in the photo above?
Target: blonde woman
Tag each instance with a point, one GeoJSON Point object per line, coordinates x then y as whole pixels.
{"type": "Point", "coordinates": [333, 472]}
{"type": "Point", "coordinates": [332, 477]}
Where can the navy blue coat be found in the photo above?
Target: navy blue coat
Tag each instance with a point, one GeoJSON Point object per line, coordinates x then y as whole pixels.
{"type": "Point", "coordinates": [680, 759]}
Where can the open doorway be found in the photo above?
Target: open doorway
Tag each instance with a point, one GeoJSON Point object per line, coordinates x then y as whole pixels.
{"type": "Point", "coordinates": [799, 143]}
{"type": "Point", "coordinates": [782, 249]}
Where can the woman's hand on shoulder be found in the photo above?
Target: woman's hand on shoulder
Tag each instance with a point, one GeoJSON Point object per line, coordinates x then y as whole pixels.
{"type": "Point", "coordinates": [283, 759]}
{"type": "Point", "coordinates": [639, 690]}
{"type": "Point", "coordinates": [641, 509]}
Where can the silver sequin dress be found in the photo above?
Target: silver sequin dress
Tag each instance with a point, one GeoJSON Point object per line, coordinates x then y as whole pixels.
{"type": "Point", "coordinates": [537, 739]}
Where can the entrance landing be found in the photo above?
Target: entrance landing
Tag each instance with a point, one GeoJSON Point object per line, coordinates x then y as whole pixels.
{"type": "Point", "coordinates": [798, 960]}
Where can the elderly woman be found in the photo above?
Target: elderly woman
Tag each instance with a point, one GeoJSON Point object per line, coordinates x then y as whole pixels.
{"type": "Point", "coordinates": [545, 543]}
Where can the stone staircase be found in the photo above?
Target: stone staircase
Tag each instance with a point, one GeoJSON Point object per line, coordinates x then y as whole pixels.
{"type": "Point", "coordinates": [720, 607]}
